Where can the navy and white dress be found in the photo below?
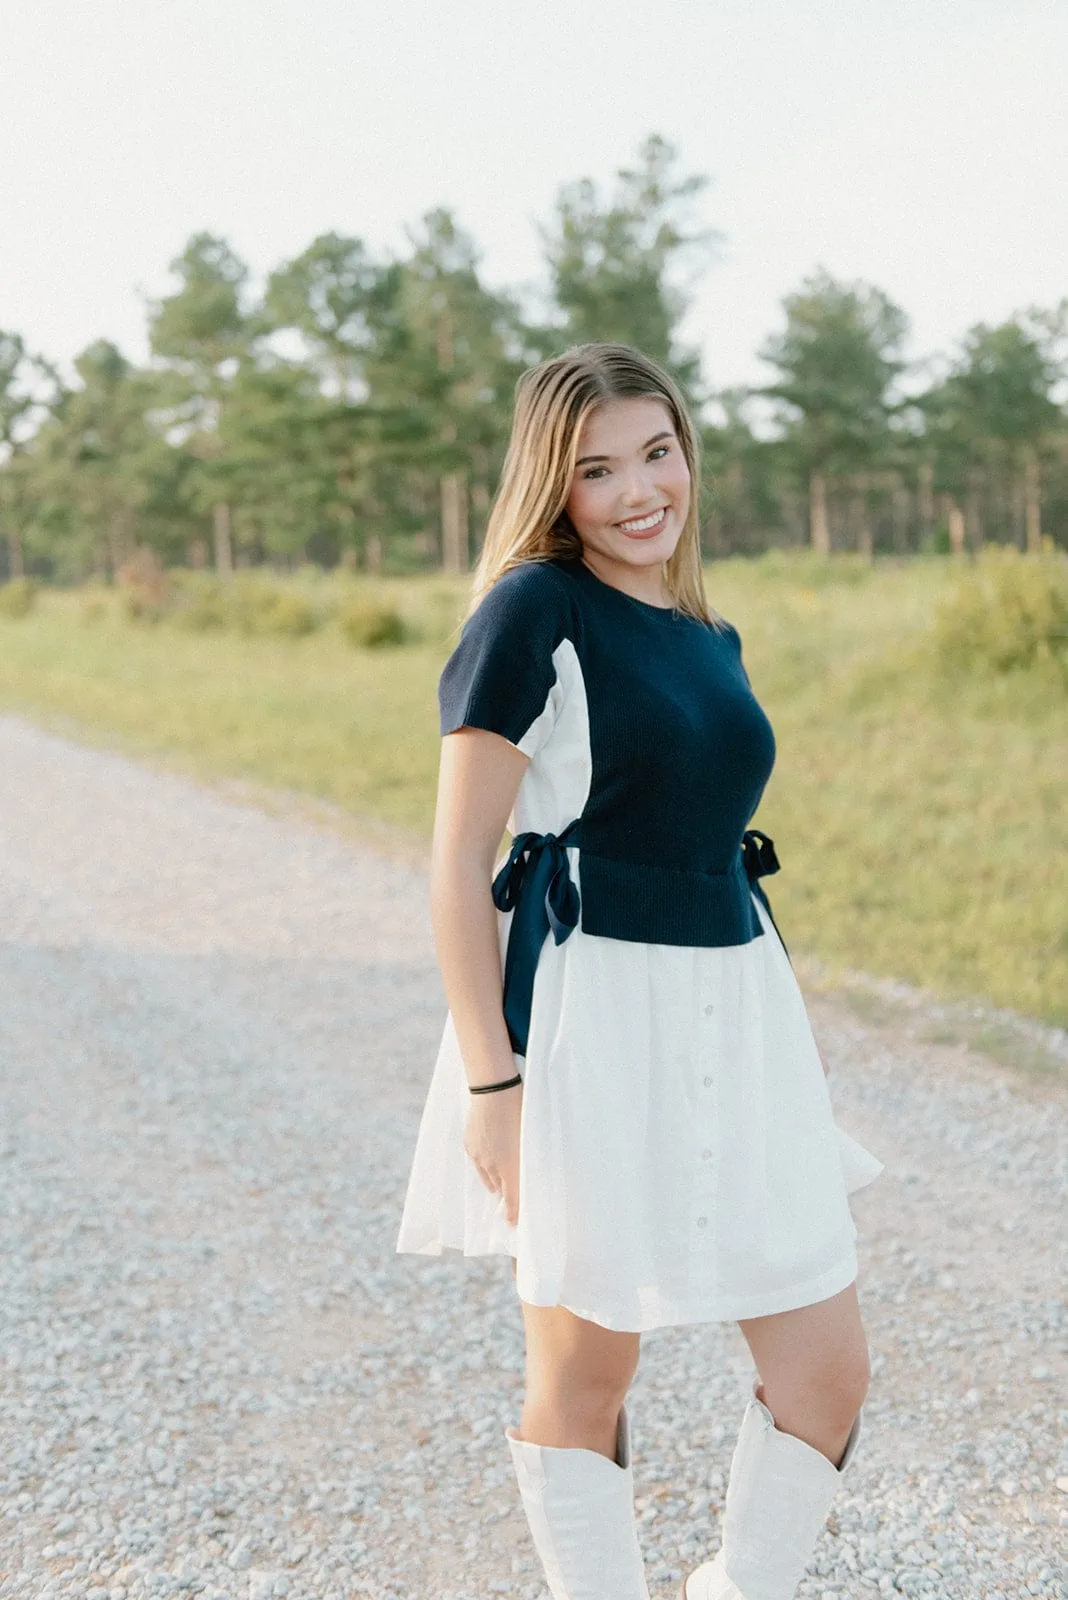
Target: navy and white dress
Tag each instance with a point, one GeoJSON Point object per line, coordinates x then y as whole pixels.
{"type": "Point", "coordinates": [679, 1157]}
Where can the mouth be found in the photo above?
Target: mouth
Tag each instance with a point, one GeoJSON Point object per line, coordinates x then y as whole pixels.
{"type": "Point", "coordinates": [644, 527]}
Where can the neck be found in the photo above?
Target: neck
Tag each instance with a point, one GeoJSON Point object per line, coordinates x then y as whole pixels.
{"type": "Point", "coordinates": [641, 583]}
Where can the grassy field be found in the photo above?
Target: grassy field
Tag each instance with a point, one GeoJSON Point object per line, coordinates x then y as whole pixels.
{"type": "Point", "coordinates": [920, 818]}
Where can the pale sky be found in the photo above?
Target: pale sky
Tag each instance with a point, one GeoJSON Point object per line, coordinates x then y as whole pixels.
{"type": "Point", "coordinates": [921, 145]}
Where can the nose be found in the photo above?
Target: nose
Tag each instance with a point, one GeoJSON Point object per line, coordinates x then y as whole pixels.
{"type": "Point", "coordinates": [637, 486]}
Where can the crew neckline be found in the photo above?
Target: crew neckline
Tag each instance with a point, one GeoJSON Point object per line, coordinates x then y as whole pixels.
{"type": "Point", "coordinates": [646, 605]}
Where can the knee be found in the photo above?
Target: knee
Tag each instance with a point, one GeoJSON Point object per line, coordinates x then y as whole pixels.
{"type": "Point", "coordinates": [593, 1391]}
{"type": "Point", "coordinates": [854, 1381]}
{"type": "Point", "coordinates": [593, 1388]}
{"type": "Point", "coordinates": [836, 1384]}
{"type": "Point", "coordinates": [575, 1368]}
{"type": "Point", "coordinates": [843, 1379]}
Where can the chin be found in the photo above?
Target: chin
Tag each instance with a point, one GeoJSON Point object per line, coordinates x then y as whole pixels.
{"type": "Point", "coordinates": [647, 555]}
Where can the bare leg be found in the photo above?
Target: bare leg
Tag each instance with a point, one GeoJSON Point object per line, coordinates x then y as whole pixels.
{"type": "Point", "coordinates": [578, 1374]}
{"type": "Point", "coordinates": [572, 1455]}
{"type": "Point", "coordinates": [813, 1366]}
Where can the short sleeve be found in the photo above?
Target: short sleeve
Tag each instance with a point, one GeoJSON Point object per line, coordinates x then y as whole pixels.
{"type": "Point", "coordinates": [736, 640]}
{"type": "Point", "coordinates": [502, 675]}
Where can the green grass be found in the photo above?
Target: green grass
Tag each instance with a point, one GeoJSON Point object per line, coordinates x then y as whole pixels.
{"type": "Point", "coordinates": [312, 714]}
{"type": "Point", "coordinates": [920, 818]}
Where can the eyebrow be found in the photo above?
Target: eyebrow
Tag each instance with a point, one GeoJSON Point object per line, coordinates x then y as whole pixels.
{"type": "Point", "coordinates": [667, 434]}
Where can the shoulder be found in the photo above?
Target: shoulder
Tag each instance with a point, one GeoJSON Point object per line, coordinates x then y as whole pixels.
{"type": "Point", "coordinates": [720, 628]}
{"type": "Point", "coordinates": [529, 583]}
{"type": "Point", "coordinates": [531, 599]}
{"type": "Point", "coordinates": [733, 642]}
{"type": "Point", "coordinates": [501, 673]}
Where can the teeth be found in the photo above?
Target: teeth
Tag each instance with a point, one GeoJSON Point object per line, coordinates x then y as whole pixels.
{"type": "Point", "coordinates": [646, 522]}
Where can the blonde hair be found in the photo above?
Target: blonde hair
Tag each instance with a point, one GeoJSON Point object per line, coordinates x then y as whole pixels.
{"type": "Point", "coordinates": [528, 521]}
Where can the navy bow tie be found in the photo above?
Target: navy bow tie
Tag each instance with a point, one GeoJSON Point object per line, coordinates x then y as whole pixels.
{"type": "Point", "coordinates": [535, 884]}
{"type": "Point", "coordinates": [760, 861]}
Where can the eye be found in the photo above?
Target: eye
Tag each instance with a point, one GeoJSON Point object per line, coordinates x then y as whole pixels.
{"type": "Point", "coordinates": [657, 451]}
{"type": "Point", "coordinates": [591, 470]}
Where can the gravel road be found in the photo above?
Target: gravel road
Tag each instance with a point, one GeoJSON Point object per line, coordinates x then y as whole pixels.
{"type": "Point", "coordinates": [218, 1378]}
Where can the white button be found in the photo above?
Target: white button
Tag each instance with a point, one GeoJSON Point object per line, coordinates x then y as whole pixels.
{"type": "Point", "coordinates": [708, 1083]}
{"type": "Point", "coordinates": [709, 1010]}
{"type": "Point", "coordinates": [701, 1221]}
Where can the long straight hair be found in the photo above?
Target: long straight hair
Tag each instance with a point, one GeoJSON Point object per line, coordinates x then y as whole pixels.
{"type": "Point", "coordinates": [528, 521]}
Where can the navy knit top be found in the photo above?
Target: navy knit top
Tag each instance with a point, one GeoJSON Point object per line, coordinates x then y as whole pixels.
{"type": "Point", "coordinates": [679, 752]}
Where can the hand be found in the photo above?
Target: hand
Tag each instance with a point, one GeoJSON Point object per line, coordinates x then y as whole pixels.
{"type": "Point", "coordinates": [491, 1139]}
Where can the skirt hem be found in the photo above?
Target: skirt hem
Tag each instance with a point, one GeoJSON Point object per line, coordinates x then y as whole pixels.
{"type": "Point", "coordinates": [735, 1309]}
{"type": "Point", "coordinates": [728, 1309]}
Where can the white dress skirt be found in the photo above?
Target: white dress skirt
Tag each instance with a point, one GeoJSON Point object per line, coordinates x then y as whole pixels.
{"type": "Point", "coordinates": [679, 1157]}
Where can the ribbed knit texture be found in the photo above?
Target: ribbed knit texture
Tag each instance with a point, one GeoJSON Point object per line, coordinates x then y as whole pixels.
{"type": "Point", "coordinates": [680, 748]}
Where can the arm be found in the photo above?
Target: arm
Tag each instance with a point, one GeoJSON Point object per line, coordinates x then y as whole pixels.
{"type": "Point", "coordinates": [479, 777]}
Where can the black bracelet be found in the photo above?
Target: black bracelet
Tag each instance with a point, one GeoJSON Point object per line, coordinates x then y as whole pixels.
{"type": "Point", "coordinates": [488, 1088]}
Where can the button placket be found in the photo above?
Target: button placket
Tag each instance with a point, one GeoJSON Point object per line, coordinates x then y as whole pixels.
{"type": "Point", "coordinates": [704, 1176]}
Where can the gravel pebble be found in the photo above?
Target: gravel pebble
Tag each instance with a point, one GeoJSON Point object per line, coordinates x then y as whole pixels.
{"type": "Point", "coordinates": [219, 1380]}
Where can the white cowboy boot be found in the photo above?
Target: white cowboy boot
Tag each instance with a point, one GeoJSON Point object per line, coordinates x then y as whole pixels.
{"type": "Point", "coordinates": [580, 1507]}
{"type": "Point", "coordinates": [778, 1495]}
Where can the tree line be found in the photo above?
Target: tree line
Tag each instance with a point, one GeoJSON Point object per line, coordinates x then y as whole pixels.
{"type": "Point", "coordinates": [356, 409]}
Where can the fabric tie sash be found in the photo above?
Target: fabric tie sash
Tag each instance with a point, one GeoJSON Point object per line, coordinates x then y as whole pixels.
{"type": "Point", "coordinates": [760, 861]}
{"type": "Point", "coordinates": [535, 884]}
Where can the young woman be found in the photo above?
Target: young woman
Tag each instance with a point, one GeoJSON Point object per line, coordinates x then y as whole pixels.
{"type": "Point", "coordinates": [628, 1099]}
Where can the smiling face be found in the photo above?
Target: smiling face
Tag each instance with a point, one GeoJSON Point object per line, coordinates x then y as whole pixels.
{"type": "Point", "coordinates": [630, 494]}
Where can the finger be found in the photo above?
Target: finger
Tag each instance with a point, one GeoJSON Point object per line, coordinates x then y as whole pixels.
{"type": "Point", "coordinates": [484, 1176]}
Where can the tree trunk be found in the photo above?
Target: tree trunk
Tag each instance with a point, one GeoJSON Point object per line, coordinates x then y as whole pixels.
{"type": "Point", "coordinates": [453, 488]}
{"type": "Point", "coordinates": [955, 518]}
{"type": "Point", "coordinates": [480, 506]}
{"type": "Point", "coordinates": [860, 517]}
{"type": "Point", "coordinates": [973, 509]}
{"type": "Point", "coordinates": [925, 500]}
{"type": "Point", "coordinates": [820, 532]}
{"type": "Point", "coordinates": [900, 505]}
{"type": "Point", "coordinates": [480, 497]}
{"type": "Point", "coordinates": [120, 541]}
{"type": "Point", "coordinates": [1032, 503]}
{"type": "Point", "coordinates": [1015, 504]}
{"type": "Point", "coordinates": [453, 522]}
{"type": "Point", "coordinates": [16, 559]}
{"type": "Point", "coordinates": [224, 550]}
{"type": "Point", "coordinates": [373, 552]}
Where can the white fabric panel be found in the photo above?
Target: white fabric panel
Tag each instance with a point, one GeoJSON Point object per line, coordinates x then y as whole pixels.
{"type": "Point", "coordinates": [680, 1160]}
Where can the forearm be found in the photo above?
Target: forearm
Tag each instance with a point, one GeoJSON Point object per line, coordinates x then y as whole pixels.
{"type": "Point", "coordinates": [467, 941]}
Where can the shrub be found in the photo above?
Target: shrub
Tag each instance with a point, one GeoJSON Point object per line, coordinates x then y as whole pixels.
{"type": "Point", "coordinates": [369, 624]}
{"type": "Point", "coordinates": [17, 597]}
{"type": "Point", "coordinates": [243, 603]}
{"type": "Point", "coordinates": [443, 609]}
{"type": "Point", "coordinates": [95, 606]}
{"type": "Point", "coordinates": [804, 565]}
{"type": "Point", "coordinates": [1010, 610]}
{"type": "Point", "coordinates": [259, 607]}
{"type": "Point", "coordinates": [286, 613]}
{"type": "Point", "coordinates": [143, 586]}
{"type": "Point", "coordinates": [202, 602]}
